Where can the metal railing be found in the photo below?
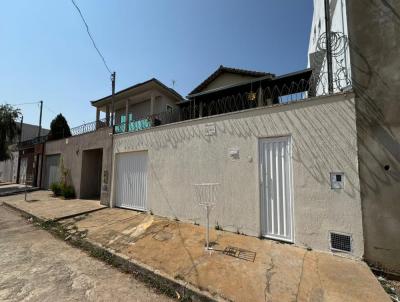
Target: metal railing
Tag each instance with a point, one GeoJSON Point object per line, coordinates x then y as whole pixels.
{"type": "Point", "coordinates": [34, 141]}
{"type": "Point", "coordinates": [89, 127]}
{"type": "Point", "coordinates": [252, 96]}
{"type": "Point", "coordinates": [278, 91]}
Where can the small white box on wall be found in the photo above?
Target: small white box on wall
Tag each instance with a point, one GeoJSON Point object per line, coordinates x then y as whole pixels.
{"type": "Point", "coordinates": [210, 129]}
{"type": "Point", "coordinates": [234, 153]}
{"type": "Point", "coordinates": [337, 180]}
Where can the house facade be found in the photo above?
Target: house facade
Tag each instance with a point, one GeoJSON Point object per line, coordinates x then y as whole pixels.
{"type": "Point", "coordinates": [297, 158]}
{"type": "Point", "coordinates": [286, 164]}
{"type": "Point", "coordinates": [139, 107]}
{"type": "Point", "coordinates": [26, 156]}
{"type": "Point", "coordinates": [366, 40]}
{"type": "Point", "coordinates": [273, 165]}
{"type": "Point", "coordinates": [86, 157]}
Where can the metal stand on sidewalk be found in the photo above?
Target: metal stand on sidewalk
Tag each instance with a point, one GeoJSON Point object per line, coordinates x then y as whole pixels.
{"type": "Point", "coordinates": [206, 196]}
{"type": "Point", "coordinates": [26, 180]}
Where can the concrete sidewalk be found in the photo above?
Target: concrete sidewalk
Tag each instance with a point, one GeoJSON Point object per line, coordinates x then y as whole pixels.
{"type": "Point", "coordinates": [7, 189]}
{"type": "Point", "coordinates": [252, 270]}
{"type": "Point", "coordinates": [44, 206]}
{"type": "Point", "coordinates": [278, 272]}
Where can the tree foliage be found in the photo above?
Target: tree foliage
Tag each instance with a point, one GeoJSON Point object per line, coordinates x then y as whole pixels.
{"type": "Point", "coordinates": [9, 129]}
{"type": "Point", "coordinates": [59, 128]}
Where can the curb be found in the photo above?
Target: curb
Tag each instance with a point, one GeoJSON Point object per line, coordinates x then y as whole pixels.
{"type": "Point", "coordinates": [162, 282]}
{"type": "Point", "coordinates": [24, 213]}
{"type": "Point", "coordinates": [10, 193]}
{"type": "Point", "coordinates": [78, 214]}
{"type": "Point", "coordinates": [27, 214]}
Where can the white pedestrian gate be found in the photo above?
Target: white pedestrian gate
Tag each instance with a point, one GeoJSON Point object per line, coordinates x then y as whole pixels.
{"type": "Point", "coordinates": [276, 188]}
{"type": "Point", "coordinates": [52, 170]}
{"type": "Point", "coordinates": [131, 180]}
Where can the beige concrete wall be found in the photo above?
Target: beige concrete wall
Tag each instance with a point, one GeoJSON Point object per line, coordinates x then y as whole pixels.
{"type": "Point", "coordinates": [324, 140]}
{"type": "Point", "coordinates": [71, 150]}
{"type": "Point", "coordinates": [374, 33]}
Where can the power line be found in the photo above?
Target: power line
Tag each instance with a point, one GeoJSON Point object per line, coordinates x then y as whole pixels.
{"type": "Point", "coordinates": [52, 111]}
{"type": "Point", "coordinates": [90, 36]}
{"type": "Point", "coordinates": [31, 103]}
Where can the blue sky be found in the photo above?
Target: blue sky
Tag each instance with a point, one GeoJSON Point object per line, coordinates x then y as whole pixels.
{"type": "Point", "coordinates": [46, 54]}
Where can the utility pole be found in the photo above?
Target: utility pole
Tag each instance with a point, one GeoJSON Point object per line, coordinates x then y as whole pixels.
{"type": "Point", "coordinates": [328, 45]}
{"type": "Point", "coordinates": [20, 129]}
{"type": "Point", "coordinates": [40, 119]}
{"type": "Point", "coordinates": [36, 163]}
{"type": "Point", "coordinates": [112, 99]}
{"type": "Point", "coordinates": [106, 180]}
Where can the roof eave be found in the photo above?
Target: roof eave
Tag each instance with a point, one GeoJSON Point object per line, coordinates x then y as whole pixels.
{"type": "Point", "coordinates": [107, 99]}
{"type": "Point", "coordinates": [292, 74]}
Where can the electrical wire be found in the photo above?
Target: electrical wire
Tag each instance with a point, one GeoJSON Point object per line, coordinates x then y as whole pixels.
{"type": "Point", "coordinates": [90, 36]}
{"type": "Point", "coordinates": [32, 103]}
{"type": "Point", "coordinates": [47, 108]}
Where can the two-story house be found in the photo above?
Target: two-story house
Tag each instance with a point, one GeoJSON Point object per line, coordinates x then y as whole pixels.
{"type": "Point", "coordinates": [86, 156]}
{"type": "Point", "coordinates": [139, 107]}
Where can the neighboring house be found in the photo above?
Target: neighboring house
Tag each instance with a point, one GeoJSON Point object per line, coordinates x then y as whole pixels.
{"type": "Point", "coordinates": [226, 76]}
{"type": "Point", "coordinates": [365, 57]}
{"type": "Point", "coordinates": [231, 89]}
{"type": "Point", "coordinates": [140, 106]}
{"type": "Point", "coordinates": [8, 168]}
{"type": "Point", "coordinates": [83, 159]}
{"type": "Point", "coordinates": [22, 150]}
{"type": "Point", "coordinates": [86, 156]}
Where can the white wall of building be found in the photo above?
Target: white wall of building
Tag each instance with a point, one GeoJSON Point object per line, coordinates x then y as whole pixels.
{"type": "Point", "coordinates": [324, 140]}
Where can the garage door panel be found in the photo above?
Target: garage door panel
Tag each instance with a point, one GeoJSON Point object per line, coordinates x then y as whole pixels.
{"type": "Point", "coordinates": [131, 180]}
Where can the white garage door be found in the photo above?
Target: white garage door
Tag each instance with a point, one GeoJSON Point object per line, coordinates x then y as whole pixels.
{"type": "Point", "coordinates": [131, 180]}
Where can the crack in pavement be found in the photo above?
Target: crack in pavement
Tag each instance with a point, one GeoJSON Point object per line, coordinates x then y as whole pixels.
{"type": "Point", "coordinates": [269, 274]}
{"type": "Point", "coordinates": [301, 276]}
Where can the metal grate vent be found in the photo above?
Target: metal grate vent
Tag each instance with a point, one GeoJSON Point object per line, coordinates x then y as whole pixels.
{"type": "Point", "coordinates": [340, 242]}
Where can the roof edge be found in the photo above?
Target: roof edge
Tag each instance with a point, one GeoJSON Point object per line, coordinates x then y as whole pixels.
{"type": "Point", "coordinates": [223, 69]}
{"type": "Point", "coordinates": [158, 82]}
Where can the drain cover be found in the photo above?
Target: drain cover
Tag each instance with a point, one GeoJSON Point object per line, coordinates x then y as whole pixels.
{"type": "Point", "coordinates": [240, 253]}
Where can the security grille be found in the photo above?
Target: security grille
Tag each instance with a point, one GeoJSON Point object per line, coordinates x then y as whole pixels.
{"type": "Point", "coordinates": [340, 242]}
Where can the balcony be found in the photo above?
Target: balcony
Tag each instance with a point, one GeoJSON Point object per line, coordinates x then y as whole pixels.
{"type": "Point", "coordinates": [149, 121]}
{"type": "Point", "coordinates": [89, 127]}
{"type": "Point", "coordinates": [261, 92]}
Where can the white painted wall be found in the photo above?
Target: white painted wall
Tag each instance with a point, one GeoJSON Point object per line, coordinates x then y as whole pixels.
{"type": "Point", "coordinates": [8, 168]}
{"type": "Point", "coordinates": [323, 132]}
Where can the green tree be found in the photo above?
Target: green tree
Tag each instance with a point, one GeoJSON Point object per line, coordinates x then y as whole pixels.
{"type": "Point", "coordinates": [8, 129]}
{"type": "Point", "coordinates": [59, 128]}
